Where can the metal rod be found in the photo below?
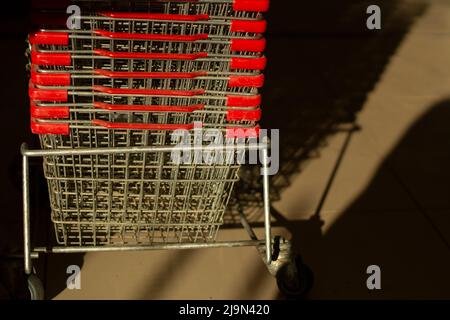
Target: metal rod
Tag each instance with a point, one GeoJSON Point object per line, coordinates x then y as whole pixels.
{"type": "Point", "coordinates": [33, 255]}
{"type": "Point", "coordinates": [219, 244]}
{"type": "Point", "coordinates": [247, 226]}
{"type": "Point", "coordinates": [267, 227]}
{"type": "Point", "coordinates": [85, 151]}
{"type": "Point", "coordinates": [26, 216]}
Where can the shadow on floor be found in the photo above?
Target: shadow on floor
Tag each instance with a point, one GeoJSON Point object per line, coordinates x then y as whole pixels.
{"type": "Point", "coordinates": [323, 63]}
{"type": "Point", "coordinates": [321, 69]}
{"type": "Point", "coordinates": [412, 246]}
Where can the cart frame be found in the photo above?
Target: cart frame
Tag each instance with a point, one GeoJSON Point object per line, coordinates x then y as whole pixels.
{"type": "Point", "coordinates": [283, 266]}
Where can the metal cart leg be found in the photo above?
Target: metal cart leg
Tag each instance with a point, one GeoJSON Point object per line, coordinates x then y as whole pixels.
{"type": "Point", "coordinates": [34, 283]}
{"type": "Point", "coordinates": [294, 279]}
{"type": "Point", "coordinates": [26, 216]}
{"type": "Point", "coordinates": [267, 226]}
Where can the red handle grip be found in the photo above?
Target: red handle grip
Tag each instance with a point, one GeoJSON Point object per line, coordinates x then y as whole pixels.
{"type": "Point", "coordinates": [150, 37]}
{"type": "Point", "coordinates": [127, 107]}
{"type": "Point", "coordinates": [243, 132]}
{"type": "Point", "coordinates": [51, 59]}
{"type": "Point", "coordinates": [50, 79]}
{"type": "Point", "coordinates": [47, 95]}
{"type": "Point", "coordinates": [253, 45]}
{"type": "Point", "coordinates": [246, 81]}
{"type": "Point", "coordinates": [150, 75]}
{"type": "Point", "coordinates": [150, 92]}
{"type": "Point", "coordinates": [155, 16]}
{"type": "Point", "coordinates": [49, 112]}
{"type": "Point", "coordinates": [141, 126]}
{"type": "Point", "coordinates": [149, 56]}
{"type": "Point", "coordinates": [243, 101]}
{"type": "Point", "coordinates": [241, 115]}
{"type": "Point", "coordinates": [49, 38]}
{"type": "Point", "coordinates": [248, 63]}
{"type": "Point", "coordinates": [50, 128]}
{"type": "Point", "coordinates": [251, 5]}
{"type": "Point", "coordinates": [257, 26]}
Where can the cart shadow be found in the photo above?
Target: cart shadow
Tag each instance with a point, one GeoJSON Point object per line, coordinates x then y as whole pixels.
{"type": "Point", "coordinates": [320, 71]}
{"type": "Point", "coordinates": [393, 240]}
{"type": "Point", "coordinates": [319, 74]}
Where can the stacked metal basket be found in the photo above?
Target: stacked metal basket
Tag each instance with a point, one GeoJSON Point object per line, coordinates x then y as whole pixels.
{"type": "Point", "coordinates": [132, 79]}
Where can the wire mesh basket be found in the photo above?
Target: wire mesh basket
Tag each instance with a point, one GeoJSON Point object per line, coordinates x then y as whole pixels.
{"type": "Point", "coordinates": [147, 76]}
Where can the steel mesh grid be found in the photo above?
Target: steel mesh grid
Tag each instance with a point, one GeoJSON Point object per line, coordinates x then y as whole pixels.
{"type": "Point", "coordinates": [86, 43]}
{"type": "Point", "coordinates": [90, 207]}
{"type": "Point", "coordinates": [135, 99]}
{"type": "Point", "coordinates": [212, 8]}
{"type": "Point", "coordinates": [99, 137]}
{"type": "Point", "coordinates": [210, 83]}
{"type": "Point", "coordinates": [88, 61]}
{"type": "Point", "coordinates": [90, 234]}
{"type": "Point", "coordinates": [213, 27]}
{"type": "Point", "coordinates": [208, 118]}
{"type": "Point", "coordinates": [139, 192]}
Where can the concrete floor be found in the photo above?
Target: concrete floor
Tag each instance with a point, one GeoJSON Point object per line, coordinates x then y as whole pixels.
{"type": "Point", "coordinates": [387, 203]}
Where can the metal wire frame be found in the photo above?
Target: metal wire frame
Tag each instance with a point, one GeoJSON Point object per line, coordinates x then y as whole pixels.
{"type": "Point", "coordinates": [92, 41]}
{"type": "Point", "coordinates": [105, 60]}
{"type": "Point", "coordinates": [211, 98]}
{"type": "Point", "coordinates": [91, 136]}
{"type": "Point", "coordinates": [145, 201]}
{"type": "Point", "coordinates": [212, 81]}
{"type": "Point", "coordinates": [214, 25]}
{"type": "Point", "coordinates": [208, 116]}
{"type": "Point", "coordinates": [29, 252]}
{"type": "Point", "coordinates": [111, 199]}
{"type": "Point", "coordinates": [213, 8]}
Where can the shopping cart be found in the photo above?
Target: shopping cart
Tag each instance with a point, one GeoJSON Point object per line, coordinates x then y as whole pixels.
{"type": "Point", "coordinates": [113, 102]}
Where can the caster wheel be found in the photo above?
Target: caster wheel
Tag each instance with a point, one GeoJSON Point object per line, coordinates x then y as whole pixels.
{"type": "Point", "coordinates": [35, 287]}
{"type": "Point", "coordinates": [295, 279]}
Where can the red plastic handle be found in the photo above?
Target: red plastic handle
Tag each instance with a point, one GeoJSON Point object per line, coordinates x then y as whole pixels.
{"type": "Point", "coordinates": [47, 95]}
{"type": "Point", "coordinates": [51, 59]}
{"type": "Point", "coordinates": [243, 132]}
{"type": "Point", "coordinates": [153, 108]}
{"type": "Point", "coordinates": [141, 126]}
{"type": "Point", "coordinates": [241, 115]}
{"type": "Point", "coordinates": [251, 5]}
{"type": "Point", "coordinates": [49, 112]}
{"type": "Point", "coordinates": [243, 101]}
{"type": "Point", "coordinates": [50, 128]}
{"type": "Point", "coordinates": [257, 26]}
{"type": "Point", "coordinates": [150, 75]}
{"type": "Point", "coordinates": [49, 38]}
{"type": "Point", "coordinates": [246, 81]}
{"type": "Point", "coordinates": [50, 79]}
{"type": "Point", "coordinates": [248, 63]}
{"type": "Point", "coordinates": [149, 56]}
{"type": "Point", "coordinates": [253, 45]}
{"type": "Point", "coordinates": [150, 92]}
{"type": "Point", "coordinates": [155, 16]}
{"type": "Point", "coordinates": [151, 37]}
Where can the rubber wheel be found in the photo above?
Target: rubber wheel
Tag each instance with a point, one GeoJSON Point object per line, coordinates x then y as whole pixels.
{"type": "Point", "coordinates": [295, 288]}
{"type": "Point", "coordinates": [35, 287]}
